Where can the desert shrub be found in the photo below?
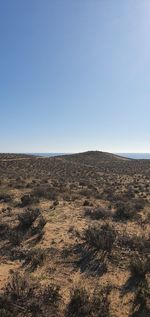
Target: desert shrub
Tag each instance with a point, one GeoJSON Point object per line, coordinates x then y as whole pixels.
{"type": "Point", "coordinates": [51, 294]}
{"type": "Point", "coordinates": [15, 237]}
{"type": "Point", "coordinates": [125, 211]}
{"type": "Point", "coordinates": [139, 267]}
{"type": "Point", "coordinates": [34, 258]}
{"type": "Point", "coordinates": [147, 220]}
{"type": "Point", "coordinates": [12, 234]}
{"type": "Point", "coordinates": [82, 183]}
{"type": "Point", "coordinates": [5, 313]}
{"type": "Point", "coordinates": [5, 310]}
{"type": "Point", "coordinates": [79, 304]}
{"type": "Point", "coordinates": [5, 306]}
{"type": "Point", "coordinates": [98, 213]}
{"type": "Point", "coordinates": [141, 306]}
{"type": "Point", "coordinates": [25, 298]}
{"type": "Point", "coordinates": [66, 197]}
{"type": "Point", "coordinates": [86, 192]}
{"type": "Point", "coordinates": [27, 218]}
{"type": "Point", "coordinates": [96, 249]}
{"type": "Point", "coordinates": [38, 225]}
{"type": "Point", "coordinates": [83, 304]}
{"type": "Point", "coordinates": [55, 203]}
{"type": "Point", "coordinates": [18, 287]}
{"type": "Point", "coordinates": [130, 192]}
{"type": "Point", "coordinates": [17, 253]}
{"type": "Point", "coordinates": [4, 197]}
{"type": "Point", "coordinates": [45, 192]}
{"type": "Point", "coordinates": [139, 204]}
{"type": "Point", "coordinates": [100, 302]}
{"type": "Point", "coordinates": [135, 243]}
{"type": "Point", "coordinates": [100, 238]}
{"type": "Point", "coordinates": [87, 212]}
{"type": "Point", "coordinates": [108, 194]}
{"type": "Point", "coordinates": [4, 230]}
{"type": "Point", "coordinates": [92, 261]}
{"type": "Point", "coordinates": [26, 200]}
{"type": "Point", "coordinates": [86, 203]}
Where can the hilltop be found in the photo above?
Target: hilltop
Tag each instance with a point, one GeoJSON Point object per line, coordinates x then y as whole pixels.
{"type": "Point", "coordinates": [74, 233]}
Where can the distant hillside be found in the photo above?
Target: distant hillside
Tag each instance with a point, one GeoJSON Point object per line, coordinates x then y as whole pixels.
{"type": "Point", "coordinates": [94, 157]}
{"type": "Point", "coordinates": [14, 156]}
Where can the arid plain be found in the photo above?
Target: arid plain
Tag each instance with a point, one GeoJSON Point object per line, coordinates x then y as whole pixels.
{"type": "Point", "coordinates": [74, 236]}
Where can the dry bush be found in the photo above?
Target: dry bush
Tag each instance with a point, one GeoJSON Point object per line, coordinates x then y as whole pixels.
{"type": "Point", "coordinates": [18, 287]}
{"type": "Point", "coordinates": [96, 249]}
{"type": "Point", "coordinates": [4, 230]}
{"type": "Point", "coordinates": [27, 200]}
{"type": "Point", "coordinates": [27, 218]}
{"type": "Point", "coordinates": [98, 213]}
{"type": "Point", "coordinates": [15, 237]}
{"type": "Point", "coordinates": [125, 211]}
{"type": "Point", "coordinates": [84, 304]}
{"type": "Point", "coordinates": [5, 197]}
{"type": "Point", "coordinates": [139, 267]}
{"type": "Point", "coordinates": [135, 243]}
{"type": "Point", "coordinates": [79, 304]}
{"type": "Point", "coordinates": [100, 238]}
{"type": "Point", "coordinates": [139, 204]}
{"type": "Point", "coordinates": [25, 298]}
{"type": "Point", "coordinates": [46, 192]}
{"type": "Point", "coordinates": [51, 294]}
{"type": "Point", "coordinates": [34, 258]}
{"type": "Point", "coordinates": [141, 303]}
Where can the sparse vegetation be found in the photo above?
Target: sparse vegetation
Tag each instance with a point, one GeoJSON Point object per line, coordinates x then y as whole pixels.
{"type": "Point", "coordinates": [82, 217]}
{"type": "Point", "coordinates": [23, 297]}
{"type": "Point", "coordinates": [98, 213]}
{"type": "Point", "coordinates": [141, 303]}
{"type": "Point", "coordinates": [27, 218]}
{"type": "Point", "coordinates": [139, 267]}
{"type": "Point", "coordinates": [100, 238]}
{"type": "Point", "coordinates": [5, 197]}
{"type": "Point", "coordinates": [34, 258]}
{"type": "Point", "coordinates": [125, 211]}
{"type": "Point", "coordinates": [86, 305]}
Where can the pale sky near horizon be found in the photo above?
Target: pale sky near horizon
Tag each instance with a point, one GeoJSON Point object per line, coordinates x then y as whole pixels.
{"type": "Point", "coordinates": [74, 75]}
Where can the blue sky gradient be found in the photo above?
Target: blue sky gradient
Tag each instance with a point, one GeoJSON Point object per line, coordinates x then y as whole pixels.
{"type": "Point", "coordinates": [74, 75]}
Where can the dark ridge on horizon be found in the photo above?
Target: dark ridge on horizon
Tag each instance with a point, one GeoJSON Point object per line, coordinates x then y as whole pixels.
{"type": "Point", "coordinates": [97, 155]}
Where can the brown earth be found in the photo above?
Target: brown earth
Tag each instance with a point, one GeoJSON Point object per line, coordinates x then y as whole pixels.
{"type": "Point", "coordinates": [74, 193]}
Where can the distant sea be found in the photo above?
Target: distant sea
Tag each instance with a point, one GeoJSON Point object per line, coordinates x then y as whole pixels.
{"type": "Point", "coordinates": [139, 156]}
{"type": "Point", "coordinates": [47, 154]}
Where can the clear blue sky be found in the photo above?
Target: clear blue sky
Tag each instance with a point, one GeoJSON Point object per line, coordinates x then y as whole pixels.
{"type": "Point", "coordinates": [74, 75]}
